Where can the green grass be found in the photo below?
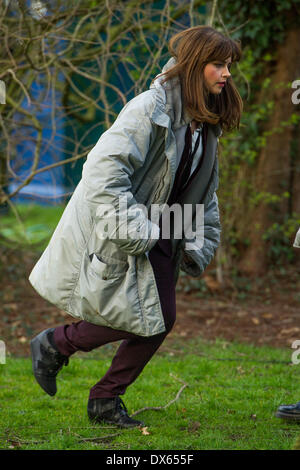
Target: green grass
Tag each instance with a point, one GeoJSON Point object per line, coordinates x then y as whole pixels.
{"type": "Point", "coordinates": [233, 391]}
{"type": "Point", "coordinates": [30, 224]}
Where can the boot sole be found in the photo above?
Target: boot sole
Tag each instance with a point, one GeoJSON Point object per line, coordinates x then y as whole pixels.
{"type": "Point", "coordinates": [107, 421]}
{"type": "Point", "coordinates": [280, 414]}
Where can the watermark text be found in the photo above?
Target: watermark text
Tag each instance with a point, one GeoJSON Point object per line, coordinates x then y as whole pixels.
{"type": "Point", "coordinates": [2, 92]}
{"type": "Point", "coordinates": [2, 352]}
{"type": "Point", "coordinates": [296, 94]}
{"type": "Point", "coordinates": [296, 354]}
{"type": "Point", "coordinates": [136, 221]}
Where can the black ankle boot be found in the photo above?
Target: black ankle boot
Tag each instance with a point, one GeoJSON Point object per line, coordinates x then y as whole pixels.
{"type": "Point", "coordinates": [290, 412]}
{"type": "Point", "coordinates": [111, 410]}
{"type": "Point", "coordinates": [47, 361]}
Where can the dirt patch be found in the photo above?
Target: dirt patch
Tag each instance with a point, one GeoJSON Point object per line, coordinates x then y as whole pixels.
{"type": "Point", "coordinates": [264, 311]}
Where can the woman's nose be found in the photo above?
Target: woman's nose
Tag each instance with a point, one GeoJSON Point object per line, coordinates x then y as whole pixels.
{"type": "Point", "coordinates": [226, 72]}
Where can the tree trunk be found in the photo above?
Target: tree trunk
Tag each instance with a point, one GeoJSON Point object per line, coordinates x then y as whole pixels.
{"type": "Point", "coordinates": [278, 163]}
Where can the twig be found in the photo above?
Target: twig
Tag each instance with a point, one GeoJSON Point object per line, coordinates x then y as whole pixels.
{"type": "Point", "coordinates": [157, 408]}
{"type": "Point", "coordinates": [95, 439]}
{"type": "Point", "coordinates": [18, 218]}
{"type": "Point", "coordinates": [228, 34]}
{"type": "Point", "coordinates": [213, 11]}
{"type": "Point", "coordinates": [172, 351]}
{"type": "Point", "coordinates": [191, 13]}
{"type": "Point", "coordinates": [20, 84]}
{"type": "Point", "coordinates": [14, 440]}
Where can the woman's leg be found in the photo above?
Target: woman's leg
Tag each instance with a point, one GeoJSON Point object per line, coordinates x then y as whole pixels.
{"type": "Point", "coordinates": [135, 351]}
{"type": "Point", "coordinates": [85, 336]}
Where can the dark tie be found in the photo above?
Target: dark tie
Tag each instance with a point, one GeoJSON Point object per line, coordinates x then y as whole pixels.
{"type": "Point", "coordinates": [185, 165]}
{"type": "Point", "coordinates": [190, 156]}
{"type": "Point", "coordinates": [182, 179]}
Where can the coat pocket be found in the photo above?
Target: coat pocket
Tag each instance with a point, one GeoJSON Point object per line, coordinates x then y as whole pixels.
{"type": "Point", "coordinates": [107, 270]}
{"type": "Point", "coordinates": [100, 293]}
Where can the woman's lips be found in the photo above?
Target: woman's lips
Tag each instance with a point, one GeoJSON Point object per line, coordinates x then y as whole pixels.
{"type": "Point", "coordinates": [221, 83]}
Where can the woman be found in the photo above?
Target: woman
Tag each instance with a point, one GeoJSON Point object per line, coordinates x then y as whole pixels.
{"type": "Point", "coordinates": [108, 263]}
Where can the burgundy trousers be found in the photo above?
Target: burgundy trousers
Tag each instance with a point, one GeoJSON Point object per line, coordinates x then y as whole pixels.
{"type": "Point", "coordinates": [135, 351]}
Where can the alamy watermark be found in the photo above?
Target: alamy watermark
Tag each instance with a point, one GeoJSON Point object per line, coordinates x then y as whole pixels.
{"type": "Point", "coordinates": [296, 94]}
{"type": "Point", "coordinates": [159, 221]}
{"type": "Point", "coordinates": [2, 92]}
{"type": "Point", "coordinates": [295, 358]}
{"type": "Point", "coordinates": [2, 352]}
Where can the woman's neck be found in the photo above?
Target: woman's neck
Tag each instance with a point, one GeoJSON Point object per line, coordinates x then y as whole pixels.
{"type": "Point", "coordinates": [194, 125]}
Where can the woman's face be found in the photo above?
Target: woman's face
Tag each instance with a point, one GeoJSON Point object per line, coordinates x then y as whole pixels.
{"type": "Point", "coordinates": [216, 74]}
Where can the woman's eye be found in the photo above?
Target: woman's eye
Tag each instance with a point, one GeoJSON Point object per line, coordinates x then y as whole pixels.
{"type": "Point", "coordinates": [220, 65]}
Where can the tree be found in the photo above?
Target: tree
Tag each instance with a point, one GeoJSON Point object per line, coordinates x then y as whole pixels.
{"type": "Point", "coordinates": [94, 54]}
{"type": "Point", "coordinates": [262, 163]}
{"type": "Point", "coordinates": [97, 54]}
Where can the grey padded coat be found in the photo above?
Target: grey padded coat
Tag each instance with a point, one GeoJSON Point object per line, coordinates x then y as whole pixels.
{"type": "Point", "coordinates": [109, 281]}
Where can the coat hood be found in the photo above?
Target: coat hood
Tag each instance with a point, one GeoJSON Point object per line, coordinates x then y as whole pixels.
{"type": "Point", "coordinates": [172, 94]}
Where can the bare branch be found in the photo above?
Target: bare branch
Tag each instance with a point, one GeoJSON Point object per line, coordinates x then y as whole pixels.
{"type": "Point", "coordinates": [74, 66]}
{"type": "Point", "coordinates": [159, 408]}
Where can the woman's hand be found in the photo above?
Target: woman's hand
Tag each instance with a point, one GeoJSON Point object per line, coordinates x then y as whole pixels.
{"type": "Point", "coordinates": [186, 259]}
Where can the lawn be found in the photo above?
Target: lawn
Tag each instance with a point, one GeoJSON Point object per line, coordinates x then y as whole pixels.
{"type": "Point", "coordinates": [228, 395]}
{"type": "Point", "coordinates": [228, 390]}
{"type": "Point", "coordinates": [30, 224]}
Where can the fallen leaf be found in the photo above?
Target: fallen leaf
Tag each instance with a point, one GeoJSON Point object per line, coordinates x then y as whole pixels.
{"type": "Point", "coordinates": [145, 431]}
{"type": "Point", "coordinates": [183, 333]}
{"type": "Point", "coordinates": [242, 313]}
{"type": "Point", "coordinates": [211, 283]}
{"type": "Point", "coordinates": [192, 312]}
{"type": "Point", "coordinates": [288, 331]}
{"type": "Point", "coordinates": [8, 296]}
{"type": "Point", "coordinates": [267, 315]}
{"type": "Point", "coordinates": [11, 306]}
{"type": "Point", "coordinates": [255, 321]}
{"type": "Point", "coordinates": [194, 426]}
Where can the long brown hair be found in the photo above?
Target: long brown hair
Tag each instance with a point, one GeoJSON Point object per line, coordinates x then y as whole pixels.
{"type": "Point", "coordinates": [193, 49]}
